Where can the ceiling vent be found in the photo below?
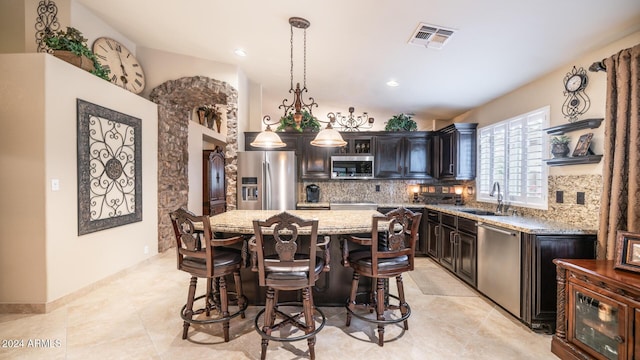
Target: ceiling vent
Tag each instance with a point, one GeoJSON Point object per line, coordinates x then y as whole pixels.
{"type": "Point", "coordinates": [431, 36]}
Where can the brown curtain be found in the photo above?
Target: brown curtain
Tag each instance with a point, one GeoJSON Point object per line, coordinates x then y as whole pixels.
{"type": "Point", "coordinates": [620, 203]}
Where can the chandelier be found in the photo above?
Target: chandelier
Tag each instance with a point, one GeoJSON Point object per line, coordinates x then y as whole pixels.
{"type": "Point", "coordinates": [351, 122]}
{"type": "Point", "coordinates": [327, 137]}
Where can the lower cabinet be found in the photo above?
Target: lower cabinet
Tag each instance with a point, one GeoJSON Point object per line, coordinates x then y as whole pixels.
{"type": "Point", "coordinates": [457, 243]}
{"type": "Point", "coordinates": [599, 312]}
{"type": "Point", "coordinates": [433, 230]}
{"type": "Point", "coordinates": [539, 301]}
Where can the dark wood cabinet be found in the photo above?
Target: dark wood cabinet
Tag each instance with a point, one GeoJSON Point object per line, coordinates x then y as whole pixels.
{"type": "Point", "coordinates": [433, 232]}
{"type": "Point", "coordinates": [315, 162]}
{"type": "Point", "coordinates": [598, 311]}
{"type": "Point", "coordinates": [455, 158]}
{"type": "Point", "coordinates": [403, 155]}
{"type": "Point", "coordinates": [213, 182]}
{"type": "Point", "coordinates": [389, 156]}
{"type": "Point", "coordinates": [357, 144]}
{"type": "Point", "coordinates": [453, 243]}
{"type": "Point", "coordinates": [539, 302]}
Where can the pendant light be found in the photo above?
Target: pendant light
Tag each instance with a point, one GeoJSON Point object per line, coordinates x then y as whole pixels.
{"type": "Point", "coordinates": [267, 138]}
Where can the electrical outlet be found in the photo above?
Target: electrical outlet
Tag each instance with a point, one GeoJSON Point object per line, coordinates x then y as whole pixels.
{"type": "Point", "coordinates": [559, 197]}
{"type": "Point", "coordinates": [146, 249]}
{"type": "Point", "coordinates": [377, 188]}
{"type": "Point", "coordinates": [55, 184]}
{"type": "Point", "coordinates": [580, 198]}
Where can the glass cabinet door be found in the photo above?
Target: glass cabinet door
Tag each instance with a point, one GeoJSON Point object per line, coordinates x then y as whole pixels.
{"type": "Point", "coordinates": [597, 324]}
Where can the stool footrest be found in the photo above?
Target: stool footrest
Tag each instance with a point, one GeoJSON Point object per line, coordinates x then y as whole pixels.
{"type": "Point", "coordinates": [291, 319]}
{"type": "Point", "coordinates": [240, 310]}
{"type": "Point", "coordinates": [372, 307]}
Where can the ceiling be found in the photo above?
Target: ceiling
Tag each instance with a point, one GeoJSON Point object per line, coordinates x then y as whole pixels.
{"type": "Point", "coordinates": [354, 47]}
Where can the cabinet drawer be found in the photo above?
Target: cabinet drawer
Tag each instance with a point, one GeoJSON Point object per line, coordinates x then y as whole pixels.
{"type": "Point", "coordinates": [433, 216]}
{"type": "Point", "coordinates": [447, 219]}
{"type": "Point", "coordinates": [467, 225]}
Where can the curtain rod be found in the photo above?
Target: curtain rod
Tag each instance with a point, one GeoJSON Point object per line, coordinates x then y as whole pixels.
{"type": "Point", "coordinates": [598, 66]}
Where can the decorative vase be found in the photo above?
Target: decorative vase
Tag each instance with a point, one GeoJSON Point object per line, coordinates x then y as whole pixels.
{"type": "Point", "coordinates": [82, 62]}
{"type": "Point", "coordinates": [218, 123]}
{"type": "Point", "coordinates": [559, 150]}
{"type": "Point", "coordinates": [201, 117]}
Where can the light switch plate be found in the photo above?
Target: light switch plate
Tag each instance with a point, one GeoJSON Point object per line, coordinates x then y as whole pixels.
{"type": "Point", "coordinates": [55, 184]}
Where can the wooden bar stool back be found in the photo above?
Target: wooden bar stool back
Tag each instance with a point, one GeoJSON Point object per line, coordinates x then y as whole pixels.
{"type": "Point", "coordinates": [285, 262]}
{"type": "Point", "coordinates": [202, 256]}
{"type": "Point", "coordinates": [382, 256]}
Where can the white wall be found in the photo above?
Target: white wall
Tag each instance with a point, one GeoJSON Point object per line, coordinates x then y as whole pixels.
{"type": "Point", "coordinates": [548, 90]}
{"type": "Point", "coordinates": [41, 256]}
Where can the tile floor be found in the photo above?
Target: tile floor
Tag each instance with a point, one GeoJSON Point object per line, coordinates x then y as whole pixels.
{"type": "Point", "coordinates": [135, 316]}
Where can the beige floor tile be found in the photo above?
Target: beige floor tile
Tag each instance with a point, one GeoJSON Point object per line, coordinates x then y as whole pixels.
{"type": "Point", "coordinates": [136, 316]}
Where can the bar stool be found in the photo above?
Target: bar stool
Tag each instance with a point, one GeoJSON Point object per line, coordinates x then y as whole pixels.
{"type": "Point", "coordinates": [205, 258]}
{"type": "Point", "coordinates": [283, 263]}
{"type": "Point", "coordinates": [382, 256]}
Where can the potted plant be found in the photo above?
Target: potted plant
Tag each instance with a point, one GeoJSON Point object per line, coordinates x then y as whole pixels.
{"type": "Point", "coordinates": [71, 47]}
{"type": "Point", "coordinates": [560, 146]}
{"type": "Point", "coordinates": [308, 123]}
{"type": "Point", "coordinates": [401, 122]}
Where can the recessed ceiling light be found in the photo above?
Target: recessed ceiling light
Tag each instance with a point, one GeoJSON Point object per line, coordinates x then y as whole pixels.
{"type": "Point", "coordinates": [240, 52]}
{"type": "Point", "coordinates": [392, 83]}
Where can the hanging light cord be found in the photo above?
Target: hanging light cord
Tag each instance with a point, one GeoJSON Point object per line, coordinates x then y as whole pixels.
{"type": "Point", "coordinates": [291, 41]}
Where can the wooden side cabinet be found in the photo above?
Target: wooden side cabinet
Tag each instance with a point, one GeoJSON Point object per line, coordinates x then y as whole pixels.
{"type": "Point", "coordinates": [213, 191]}
{"type": "Point", "coordinates": [598, 311]}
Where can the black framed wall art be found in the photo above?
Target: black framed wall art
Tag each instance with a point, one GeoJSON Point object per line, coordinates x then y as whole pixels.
{"type": "Point", "coordinates": [109, 168]}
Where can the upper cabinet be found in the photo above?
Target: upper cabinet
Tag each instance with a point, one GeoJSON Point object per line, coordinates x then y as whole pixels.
{"type": "Point", "coordinates": [404, 155]}
{"type": "Point", "coordinates": [357, 143]}
{"type": "Point", "coordinates": [455, 157]}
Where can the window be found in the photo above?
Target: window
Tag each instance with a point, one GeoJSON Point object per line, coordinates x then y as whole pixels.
{"type": "Point", "coordinates": [510, 152]}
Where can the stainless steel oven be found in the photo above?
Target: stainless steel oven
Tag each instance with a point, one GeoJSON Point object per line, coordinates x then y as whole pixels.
{"type": "Point", "coordinates": [352, 167]}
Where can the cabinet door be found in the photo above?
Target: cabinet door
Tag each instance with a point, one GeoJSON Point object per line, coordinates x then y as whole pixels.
{"type": "Point", "coordinates": [597, 323]}
{"type": "Point", "coordinates": [433, 233]}
{"type": "Point", "coordinates": [446, 168]}
{"type": "Point", "coordinates": [315, 162]}
{"type": "Point", "coordinates": [357, 143]}
{"type": "Point", "coordinates": [417, 161]}
{"type": "Point", "coordinates": [447, 247]}
{"type": "Point", "coordinates": [389, 156]}
{"type": "Point", "coordinates": [216, 177]}
{"type": "Point", "coordinates": [466, 257]}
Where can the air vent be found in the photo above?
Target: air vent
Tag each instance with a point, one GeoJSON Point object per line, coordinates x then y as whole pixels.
{"type": "Point", "coordinates": [431, 36]}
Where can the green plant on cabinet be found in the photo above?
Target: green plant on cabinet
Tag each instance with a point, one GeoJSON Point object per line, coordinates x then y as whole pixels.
{"type": "Point", "coordinates": [401, 122]}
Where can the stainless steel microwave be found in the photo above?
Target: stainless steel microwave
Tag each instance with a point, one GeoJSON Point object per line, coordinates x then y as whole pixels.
{"type": "Point", "coordinates": [352, 167]}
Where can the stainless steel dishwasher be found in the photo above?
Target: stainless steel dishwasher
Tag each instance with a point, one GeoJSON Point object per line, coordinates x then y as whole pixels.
{"type": "Point", "coordinates": [499, 266]}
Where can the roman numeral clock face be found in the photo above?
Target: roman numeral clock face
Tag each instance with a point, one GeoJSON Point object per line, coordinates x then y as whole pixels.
{"type": "Point", "coordinates": [125, 70]}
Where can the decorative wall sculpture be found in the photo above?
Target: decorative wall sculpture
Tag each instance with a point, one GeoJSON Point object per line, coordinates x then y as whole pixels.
{"type": "Point", "coordinates": [109, 168]}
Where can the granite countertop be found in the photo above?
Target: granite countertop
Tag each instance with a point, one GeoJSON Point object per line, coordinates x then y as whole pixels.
{"type": "Point", "coordinates": [329, 222]}
{"type": "Point", "coordinates": [519, 223]}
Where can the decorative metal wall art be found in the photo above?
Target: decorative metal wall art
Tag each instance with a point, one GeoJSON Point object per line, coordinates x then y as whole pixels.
{"type": "Point", "coordinates": [109, 168]}
{"type": "Point", "coordinates": [351, 122]}
{"type": "Point", "coordinates": [46, 22]}
{"type": "Point", "coordinates": [577, 102]}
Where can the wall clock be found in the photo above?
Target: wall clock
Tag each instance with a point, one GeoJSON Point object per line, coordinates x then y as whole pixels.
{"type": "Point", "coordinates": [126, 71]}
{"type": "Point", "coordinates": [577, 102]}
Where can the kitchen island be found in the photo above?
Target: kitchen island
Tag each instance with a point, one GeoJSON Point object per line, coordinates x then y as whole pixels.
{"type": "Point", "coordinates": [332, 288]}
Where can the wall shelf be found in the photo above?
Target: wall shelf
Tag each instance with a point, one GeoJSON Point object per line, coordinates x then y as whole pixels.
{"type": "Point", "coordinates": [588, 159]}
{"type": "Point", "coordinates": [578, 125]}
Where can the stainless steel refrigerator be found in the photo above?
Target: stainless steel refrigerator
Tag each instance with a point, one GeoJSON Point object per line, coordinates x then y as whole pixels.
{"type": "Point", "coordinates": [267, 180]}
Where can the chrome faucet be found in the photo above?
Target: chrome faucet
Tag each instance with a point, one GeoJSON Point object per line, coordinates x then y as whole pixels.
{"type": "Point", "coordinates": [496, 187]}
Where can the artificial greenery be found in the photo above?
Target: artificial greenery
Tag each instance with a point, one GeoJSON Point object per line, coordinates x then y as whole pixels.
{"type": "Point", "coordinates": [401, 122]}
{"type": "Point", "coordinates": [562, 139]}
{"type": "Point", "coordinates": [72, 40]}
{"type": "Point", "coordinates": [308, 122]}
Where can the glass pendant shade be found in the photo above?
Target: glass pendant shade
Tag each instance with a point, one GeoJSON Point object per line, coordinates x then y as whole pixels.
{"type": "Point", "coordinates": [328, 137]}
{"type": "Point", "coordinates": [268, 139]}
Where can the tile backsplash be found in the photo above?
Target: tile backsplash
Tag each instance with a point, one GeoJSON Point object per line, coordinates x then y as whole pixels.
{"type": "Point", "coordinates": [401, 191]}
